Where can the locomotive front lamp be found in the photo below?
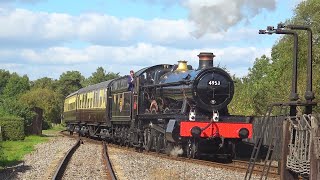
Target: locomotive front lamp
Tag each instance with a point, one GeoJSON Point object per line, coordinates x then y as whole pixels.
{"type": "Point", "coordinates": [215, 116]}
{"type": "Point", "coordinates": [192, 114]}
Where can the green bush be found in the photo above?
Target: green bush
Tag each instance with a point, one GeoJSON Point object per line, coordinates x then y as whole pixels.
{"type": "Point", "coordinates": [46, 125]}
{"type": "Point", "coordinates": [12, 128]}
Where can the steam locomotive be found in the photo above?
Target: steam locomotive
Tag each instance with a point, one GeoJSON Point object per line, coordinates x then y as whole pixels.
{"type": "Point", "coordinates": [171, 106]}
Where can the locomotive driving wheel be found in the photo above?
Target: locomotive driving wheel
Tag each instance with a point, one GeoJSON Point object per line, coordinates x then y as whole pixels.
{"type": "Point", "coordinates": [232, 150]}
{"type": "Point", "coordinates": [192, 148]}
{"type": "Point", "coordinates": [148, 138]}
{"type": "Point", "coordinates": [168, 147]}
{"type": "Point", "coordinates": [160, 143]}
{"type": "Point", "coordinates": [122, 136]}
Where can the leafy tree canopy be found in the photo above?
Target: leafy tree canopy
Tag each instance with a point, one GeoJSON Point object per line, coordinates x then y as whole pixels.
{"type": "Point", "coordinates": [269, 80]}
{"type": "Point", "coordinates": [100, 75]}
{"type": "Point", "coordinates": [69, 82]}
{"type": "Point", "coordinates": [44, 82]}
{"type": "Point", "coordinates": [16, 85]}
{"type": "Point", "coordinates": [43, 98]}
{"type": "Point", "coordinates": [4, 78]}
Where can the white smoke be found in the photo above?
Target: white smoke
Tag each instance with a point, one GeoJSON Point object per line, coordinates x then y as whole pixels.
{"type": "Point", "coordinates": [212, 16]}
{"type": "Point", "coordinates": [176, 151]}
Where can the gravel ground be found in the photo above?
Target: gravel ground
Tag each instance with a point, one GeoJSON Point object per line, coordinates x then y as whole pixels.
{"type": "Point", "coordinates": [41, 162]}
{"type": "Point", "coordinates": [131, 165]}
{"type": "Point", "coordinates": [86, 163]}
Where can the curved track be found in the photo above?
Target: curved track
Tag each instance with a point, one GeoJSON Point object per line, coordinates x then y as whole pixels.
{"type": "Point", "coordinates": [64, 163]}
{"type": "Point", "coordinates": [110, 170]}
{"type": "Point", "coordinates": [236, 165]}
{"type": "Point", "coordinates": [110, 174]}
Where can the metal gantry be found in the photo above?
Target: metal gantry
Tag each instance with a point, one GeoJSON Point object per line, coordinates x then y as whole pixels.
{"type": "Point", "coordinates": [296, 128]}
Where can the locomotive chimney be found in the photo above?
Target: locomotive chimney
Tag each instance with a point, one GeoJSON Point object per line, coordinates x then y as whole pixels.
{"type": "Point", "coordinates": [205, 60]}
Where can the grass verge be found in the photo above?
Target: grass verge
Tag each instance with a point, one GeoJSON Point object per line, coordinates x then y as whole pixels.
{"type": "Point", "coordinates": [12, 152]}
{"type": "Point", "coordinates": [54, 130]}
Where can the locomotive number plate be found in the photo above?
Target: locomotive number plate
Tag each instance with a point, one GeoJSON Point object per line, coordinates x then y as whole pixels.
{"type": "Point", "coordinates": [214, 83]}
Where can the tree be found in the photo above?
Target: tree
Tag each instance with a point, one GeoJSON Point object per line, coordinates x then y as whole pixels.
{"type": "Point", "coordinates": [16, 86]}
{"type": "Point", "coordinates": [306, 13]}
{"type": "Point", "coordinates": [44, 82]}
{"type": "Point", "coordinates": [269, 80]}
{"type": "Point", "coordinates": [69, 82]}
{"type": "Point", "coordinates": [4, 78]}
{"type": "Point", "coordinates": [46, 99]}
{"type": "Point", "coordinates": [252, 92]}
{"type": "Point", "coordinates": [100, 75]}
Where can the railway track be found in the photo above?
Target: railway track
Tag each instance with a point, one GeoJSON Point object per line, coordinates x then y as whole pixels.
{"type": "Point", "coordinates": [108, 164]}
{"type": "Point", "coordinates": [59, 173]}
{"type": "Point", "coordinates": [236, 165]}
{"type": "Point", "coordinates": [64, 163]}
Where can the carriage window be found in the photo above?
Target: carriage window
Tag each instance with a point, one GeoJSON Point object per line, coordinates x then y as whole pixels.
{"type": "Point", "coordinates": [93, 99]}
{"type": "Point", "coordinates": [84, 101]}
{"type": "Point", "coordinates": [126, 103]}
{"type": "Point", "coordinates": [115, 101]}
{"type": "Point", "coordinates": [120, 100]}
{"type": "Point", "coordinates": [105, 96]}
{"type": "Point", "coordinates": [87, 106]}
{"type": "Point", "coordinates": [96, 104]}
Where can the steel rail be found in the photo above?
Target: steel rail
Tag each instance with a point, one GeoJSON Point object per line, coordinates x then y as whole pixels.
{"type": "Point", "coordinates": [64, 163]}
{"type": "Point", "coordinates": [110, 170]}
{"type": "Point", "coordinates": [237, 165]}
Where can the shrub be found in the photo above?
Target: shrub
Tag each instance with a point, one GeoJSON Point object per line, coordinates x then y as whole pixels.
{"type": "Point", "coordinates": [46, 125]}
{"type": "Point", "coordinates": [12, 128]}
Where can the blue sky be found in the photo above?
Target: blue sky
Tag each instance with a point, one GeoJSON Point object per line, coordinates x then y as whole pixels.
{"type": "Point", "coordinates": [45, 37]}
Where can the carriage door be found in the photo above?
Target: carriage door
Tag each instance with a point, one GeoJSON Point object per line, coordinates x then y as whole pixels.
{"type": "Point", "coordinates": [134, 99]}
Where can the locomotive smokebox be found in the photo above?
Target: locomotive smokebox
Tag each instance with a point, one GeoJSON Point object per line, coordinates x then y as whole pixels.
{"type": "Point", "coordinates": [205, 60]}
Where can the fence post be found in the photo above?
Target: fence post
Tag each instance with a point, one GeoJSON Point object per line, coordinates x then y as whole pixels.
{"type": "Point", "coordinates": [1, 134]}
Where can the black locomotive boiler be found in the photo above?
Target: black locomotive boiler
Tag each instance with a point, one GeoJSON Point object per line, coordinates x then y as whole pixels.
{"type": "Point", "coordinates": [170, 106]}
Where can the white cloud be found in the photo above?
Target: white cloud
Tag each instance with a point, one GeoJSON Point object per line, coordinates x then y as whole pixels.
{"type": "Point", "coordinates": [24, 28]}
{"type": "Point", "coordinates": [36, 43]}
{"type": "Point", "coordinates": [56, 60]}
